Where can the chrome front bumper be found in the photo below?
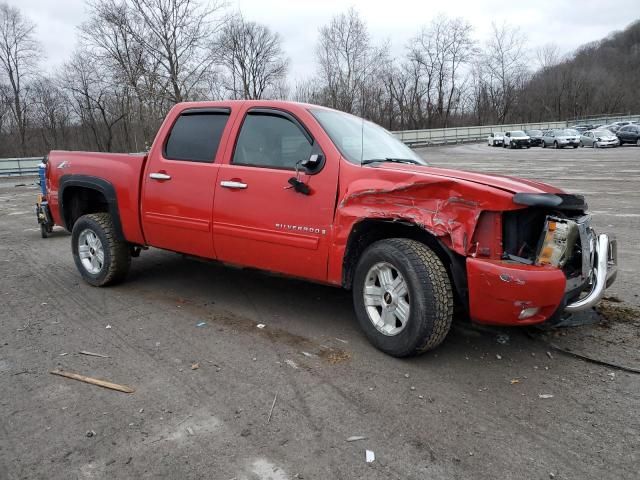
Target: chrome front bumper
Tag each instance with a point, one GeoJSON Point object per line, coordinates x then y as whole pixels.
{"type": "Point", "coordinates": [603, 268]}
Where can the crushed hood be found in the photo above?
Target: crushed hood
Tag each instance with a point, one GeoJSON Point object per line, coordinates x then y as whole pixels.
{"type": "Point", "coordinates": [500, 182]}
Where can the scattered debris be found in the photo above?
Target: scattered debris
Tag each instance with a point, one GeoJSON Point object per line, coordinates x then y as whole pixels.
{"type": "Point", "coordinates": [307, 354]}
{"type": "Point", "coordinates": [406, 375]}
{"type": "Point", "coordinates": [612, 375]}
{"type": "Point", "coordinates": [92, 354]}
{"type": "Point", "coordinates": [245, 433]}
{"type": "Point", "coordinates": [549, 355]}
{"type": "Point", "coordinates": [412, 388]}
{"type": "Point", "coordinates": [141, 410]}
{"type": "Point", "coordinates": [93, 381]}
{"type": "Point", "coordinates": [498, 356]}
{"type": "Point", "coordinates": [502, 339]}
{"type": "Point", "coordinates": [195, 366]}
{"type": "Point", "coordinates": [91, 433]}
{"type": "Point", "coordinates": [261, 325]}
{"type": "Point", "coordinates": [108, 327]}
{"type": "Point", "coordinates": [201, 324]}
{"type": "Point", "coordinates": [272, 405]}
{"type": "Point", "coordinates": [64, 354]}
{"type": "Point", "coordinates": [341, 340]}
{"type": "Point", "coordinates": [190, 431]}
{"type": "Point", "coordinates": [355, 438]}
{"type": "Point", "coordinates": [545, 395]}
{"type": "Point", "coordinates": [370, 456]}
{"type": "Point", "coordinates": [291, 363]}
{"type": "Point", "coordinates": [514, 381]}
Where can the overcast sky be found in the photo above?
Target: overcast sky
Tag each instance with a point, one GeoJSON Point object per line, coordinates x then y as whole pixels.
{"type": "Point", "coordinates": [568, 23]}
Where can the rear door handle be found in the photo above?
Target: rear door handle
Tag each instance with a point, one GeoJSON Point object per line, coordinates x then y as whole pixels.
{"type": "Point", "coordinates": [233, 184]}
{"type": "Point", "coordinates": [159, 176]}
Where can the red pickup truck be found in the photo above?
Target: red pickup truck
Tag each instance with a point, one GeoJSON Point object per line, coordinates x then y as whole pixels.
{"type": "Point", "coordinates": [314, 193]}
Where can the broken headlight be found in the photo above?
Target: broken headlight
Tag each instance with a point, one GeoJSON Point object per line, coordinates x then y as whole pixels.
{"type": "Point", "coordinates": [557, 243]}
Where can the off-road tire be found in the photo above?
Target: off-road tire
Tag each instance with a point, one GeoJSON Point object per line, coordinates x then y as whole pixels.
{"type": "Point", "coordinates": [117, 255]}
{"type": "Point", "coordinates": [430, 296]}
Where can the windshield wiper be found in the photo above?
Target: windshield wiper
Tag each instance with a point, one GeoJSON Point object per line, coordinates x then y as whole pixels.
{"type": "Point", "coordinates": [389, 159]}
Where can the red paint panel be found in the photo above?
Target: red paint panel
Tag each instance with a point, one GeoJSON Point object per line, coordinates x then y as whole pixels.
{"type": "Point", "coordinates": [121, 170]}
{"type": "Point", "coordinates": [178, 222]}
{"type": "Point", "coordinates": [498, 291]}
{"type": "Point", "coordinates": [279, 238]}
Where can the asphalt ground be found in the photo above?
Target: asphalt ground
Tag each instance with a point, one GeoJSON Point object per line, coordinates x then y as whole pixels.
{"type": "Point", "coordinates": [487, 404]}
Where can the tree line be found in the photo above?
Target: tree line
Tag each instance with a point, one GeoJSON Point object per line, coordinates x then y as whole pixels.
{"type": "Point", "coordinates": [137, 58]}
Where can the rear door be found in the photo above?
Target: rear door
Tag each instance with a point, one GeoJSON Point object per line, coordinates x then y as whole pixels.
{"type": "Point", "coordinates": [259, 220]}
{"type": "Point", "coordinates": [179, 182]}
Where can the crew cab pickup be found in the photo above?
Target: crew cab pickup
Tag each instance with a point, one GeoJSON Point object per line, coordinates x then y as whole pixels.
{"type": "Point", "coordinates": [318, 194]}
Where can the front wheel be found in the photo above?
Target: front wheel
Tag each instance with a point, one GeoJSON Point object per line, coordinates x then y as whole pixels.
{"type": "Point", "coordinates": [638, 142]}
{"type": "Point", "coordinates": [556, 146]}
{"type": "Point", "coordinates": [402, 297]}
{"type": "Point", "coordinates": [543, 145]}
{"type": "Point", "coordinates": [100, 258]}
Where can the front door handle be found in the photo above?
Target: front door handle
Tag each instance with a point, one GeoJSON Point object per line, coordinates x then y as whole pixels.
{"type": "Point", "coordinates": [159, 176]}
{"type": "Point", "coordinates": [233, 184]}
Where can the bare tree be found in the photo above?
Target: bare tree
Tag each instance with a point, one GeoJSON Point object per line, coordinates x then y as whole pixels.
{"type": "Point", "coordinates": [347, 61]}
{"type": "Point", "coordinates": [95, 100]}
{"type": "Point", "coordinates": [177, 35]}
{"type": "Point", "coordinates": [548, 55]}
{"type": "Point", "coordinates": [504, 68]}
{"type": "Point", "coordinates": [18, 58]}
{"type": "Point", "coordinates": [442, 50]}
{"type": "Point", "coordinates": [51, 113]}
{"type": "Point", "coordinates": [252, 57]}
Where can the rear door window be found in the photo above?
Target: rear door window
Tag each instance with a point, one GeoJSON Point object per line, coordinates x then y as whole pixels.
{"type": "Point", "coordinates": [195, 136]}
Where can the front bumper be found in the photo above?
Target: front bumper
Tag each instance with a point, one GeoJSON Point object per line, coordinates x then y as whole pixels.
{"type": "Point", "coordinates": [508, 293]}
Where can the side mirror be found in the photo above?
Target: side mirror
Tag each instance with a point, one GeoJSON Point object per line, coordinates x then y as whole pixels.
{"type": "Point", "coordinates": [311, 163]}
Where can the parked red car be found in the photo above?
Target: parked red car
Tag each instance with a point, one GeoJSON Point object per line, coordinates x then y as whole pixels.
{"type": "Point", "coordinates": [318, 194]}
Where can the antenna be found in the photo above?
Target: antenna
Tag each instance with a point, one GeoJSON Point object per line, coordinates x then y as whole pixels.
{"type": "Point", "coordinates": [362, 141]}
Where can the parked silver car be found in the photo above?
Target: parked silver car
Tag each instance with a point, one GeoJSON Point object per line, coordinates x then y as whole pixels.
{"type": "Point", "coordinates": [599, 138]}
{"type": "Point", "coordinates": [560, 138]}
{"type": "Point", "coordinates": [495, 139]}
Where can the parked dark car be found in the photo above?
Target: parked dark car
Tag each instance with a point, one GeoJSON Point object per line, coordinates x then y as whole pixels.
{"type": "Point", "coordinates": [535, 136]}
{"type": "Point", "coordinates": [629, 134]}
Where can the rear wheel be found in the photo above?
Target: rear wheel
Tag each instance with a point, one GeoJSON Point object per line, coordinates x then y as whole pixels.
{"type": "Point", "coordinates": [402, 297]}
{"type": "Point", "coordinates": [100, 258]}
{"type": "Point", "coordinates": [638, 142]}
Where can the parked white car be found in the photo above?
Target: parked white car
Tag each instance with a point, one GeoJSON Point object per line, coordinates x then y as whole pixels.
{"type": "Point", "coordinates": [516, 139]}
{"type": "Point", "coordinates": [495, 139]}
{"type": "Point", "coordinates": [599, 138]}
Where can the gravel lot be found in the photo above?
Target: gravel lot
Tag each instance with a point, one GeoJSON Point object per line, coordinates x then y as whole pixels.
{"type": "Point", "coordinates": [203, 394]}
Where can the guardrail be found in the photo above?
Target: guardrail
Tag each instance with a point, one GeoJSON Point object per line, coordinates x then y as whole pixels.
{"type": "Point", "coordinates": [438, 136]}
{"type": "Point", "coordinates": [19, 166]}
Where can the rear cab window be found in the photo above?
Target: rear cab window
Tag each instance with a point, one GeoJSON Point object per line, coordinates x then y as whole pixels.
{"type": "Point", "coordinates": [196, 134]}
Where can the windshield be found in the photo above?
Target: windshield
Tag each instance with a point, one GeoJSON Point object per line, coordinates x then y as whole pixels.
{"type": "Point", "coordinates": [569, 131]}
{"type": "Point", "coordinates": [602, 133]}
{"type": "Point", "coordinates": [359, 140]}
{"type": "Point", "coordinates": [518, 133]}
{"type": "Point", "coordinates": [534, 132]}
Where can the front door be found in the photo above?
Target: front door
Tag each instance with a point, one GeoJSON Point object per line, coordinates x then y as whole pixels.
{"type": "Point", "coordinates": [258, 219]}
{"type": "Point", "coordinates": [179, 183]}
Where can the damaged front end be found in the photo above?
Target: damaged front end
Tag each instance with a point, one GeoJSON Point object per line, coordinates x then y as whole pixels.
{"type": "Point", "coordinates": [552, 262]}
